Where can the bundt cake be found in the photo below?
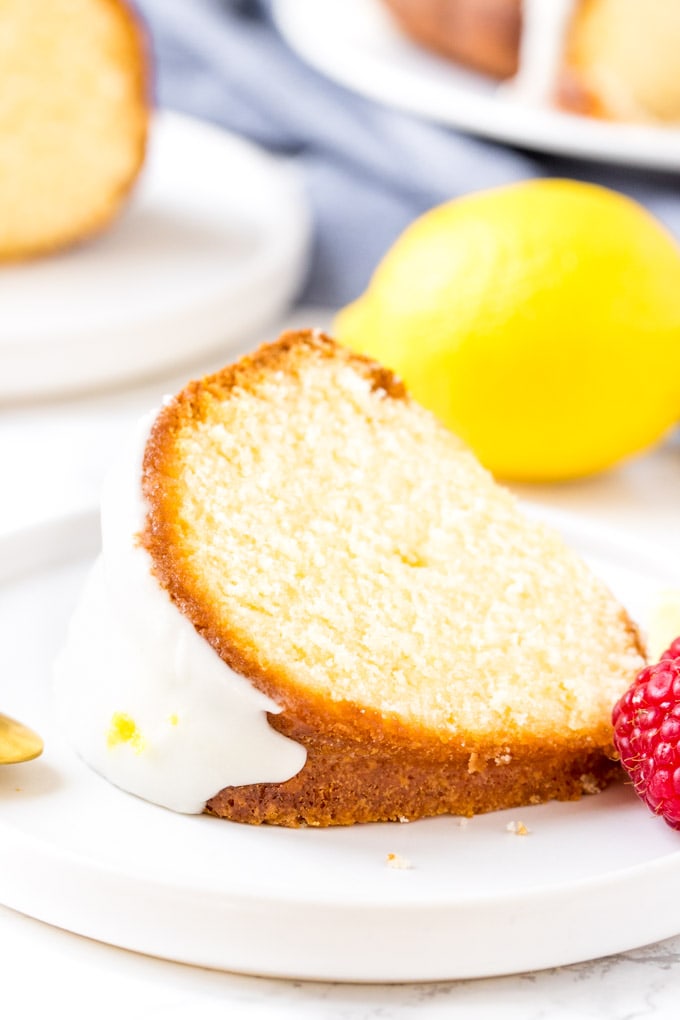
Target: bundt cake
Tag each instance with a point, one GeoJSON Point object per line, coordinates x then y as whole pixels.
{"type": "Point", "coordinates": [73, 119]}
{"type": "Point", "coordinates": [607, 58]}
{"type": "Point", "coordinates": [315, 607]}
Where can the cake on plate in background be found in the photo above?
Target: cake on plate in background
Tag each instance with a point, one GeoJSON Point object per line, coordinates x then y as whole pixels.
{"type": "Point", "coordinates": [73, 119]}
{"type": "Point", "coordinates": [615, 59]}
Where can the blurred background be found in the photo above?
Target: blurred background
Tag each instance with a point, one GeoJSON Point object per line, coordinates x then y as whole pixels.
{"type": "Point", "coordinates": [333, 84]}
{"type": "Point", "coordinates": [183, 180]}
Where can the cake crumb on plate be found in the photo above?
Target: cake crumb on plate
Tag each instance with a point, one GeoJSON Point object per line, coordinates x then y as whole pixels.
{"type": "Point", "coordinates": [398, 862]}
{"type": "Point", "coordinates": [518, 828]}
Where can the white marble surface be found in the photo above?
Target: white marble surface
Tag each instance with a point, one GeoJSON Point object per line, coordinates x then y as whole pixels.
{"type": "Point", "coordinates": [46, 968]}
{"type": "Point", "coordinates": [53, 456]}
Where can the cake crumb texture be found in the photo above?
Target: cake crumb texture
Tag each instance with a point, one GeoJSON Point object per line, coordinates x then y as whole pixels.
{"type": "Point", "coordinates": [73, 119]}
{"type": "Point", "coordinates": [433, 649]}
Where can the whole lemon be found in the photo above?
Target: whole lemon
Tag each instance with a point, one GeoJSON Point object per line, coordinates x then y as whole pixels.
{"type": "Point", "coordinates": [539, 321]}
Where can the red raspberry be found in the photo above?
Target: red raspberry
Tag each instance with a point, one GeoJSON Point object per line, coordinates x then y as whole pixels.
{"type": "Point", "coordinates": [647, 734]}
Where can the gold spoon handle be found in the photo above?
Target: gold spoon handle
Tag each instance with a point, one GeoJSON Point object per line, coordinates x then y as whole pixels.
{"type": "Point", "coordinates": [17, 742]}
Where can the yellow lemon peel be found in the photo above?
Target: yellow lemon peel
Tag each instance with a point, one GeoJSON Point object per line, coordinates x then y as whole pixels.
{"type": "Point", "coordinates": [123, 730]}
{"type": "Point", "coordinates": [539, 321]}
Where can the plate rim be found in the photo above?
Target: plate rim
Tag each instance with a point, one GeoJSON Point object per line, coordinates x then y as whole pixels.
{"type": "Point", "coordinates": [77, 358]}
{"type": "Point", "coordinates": [75, 536]}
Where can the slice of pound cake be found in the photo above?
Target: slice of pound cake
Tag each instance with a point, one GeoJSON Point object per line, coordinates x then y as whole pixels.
{"type": "Point", "coordinates": [73, 119]}
{"type": "Point", "coordinates": [410, 643]}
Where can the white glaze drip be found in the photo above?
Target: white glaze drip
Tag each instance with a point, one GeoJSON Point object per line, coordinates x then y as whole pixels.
{"type": "Point", "coordinates": [544, 29]}
{"type": "Point", "coordinates": [131, 654]}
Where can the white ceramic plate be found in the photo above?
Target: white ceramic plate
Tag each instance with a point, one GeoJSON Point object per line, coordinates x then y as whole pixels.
{"type": "Point", "coordinates": [211, 249]}
{"type": "Point", "coordinates": [356, 43]}
{"type": "Point", "coordinates": [592, 878]}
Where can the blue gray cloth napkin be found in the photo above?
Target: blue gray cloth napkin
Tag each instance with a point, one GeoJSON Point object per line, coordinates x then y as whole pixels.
{"type": "Point", "coordinates": [368, 170]}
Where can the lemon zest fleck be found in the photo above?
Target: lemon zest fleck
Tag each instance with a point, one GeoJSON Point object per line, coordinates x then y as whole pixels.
{"type": "Point", "coordinates": [123, 730]}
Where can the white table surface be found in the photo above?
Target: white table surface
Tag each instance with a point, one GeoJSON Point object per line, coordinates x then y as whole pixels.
{"type": "Point", "coordinates": [53, 456]}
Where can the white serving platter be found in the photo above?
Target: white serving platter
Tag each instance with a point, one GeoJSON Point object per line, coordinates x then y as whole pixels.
{"type": "Point", "coordinates": [212, 248]}
{"type": "Point", "coordinates": [356, 43]}
{"type": "Point", "coordinates": [591, 878]}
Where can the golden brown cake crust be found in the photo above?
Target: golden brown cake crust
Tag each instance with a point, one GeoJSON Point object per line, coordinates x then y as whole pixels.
{"type": "Point", "coordinates": [362, 765]}
{"type": "Point", "coordinates": [139, 61]}
{"type": "Point", "coordinates": [573, 95]}
{"type": "Point", "coordinates": [482, 34]}
{"type": "Point", "coordinates": [342, 785]}
{"type": "Point", "coordinates": [134, 55]}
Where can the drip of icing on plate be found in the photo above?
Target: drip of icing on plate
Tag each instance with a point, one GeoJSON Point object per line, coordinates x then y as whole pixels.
{"type": "Point", "coordinates": [544, 28]}
{"type": "Point", "coordinates": [140, 695]}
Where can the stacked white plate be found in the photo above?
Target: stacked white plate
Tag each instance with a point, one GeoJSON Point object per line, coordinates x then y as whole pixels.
{"type": "Point", "coordinates": [212, 247]}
